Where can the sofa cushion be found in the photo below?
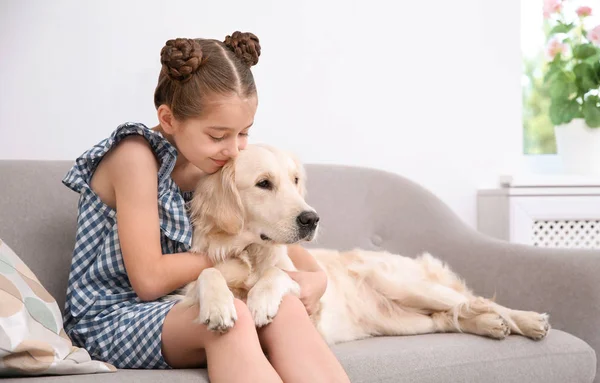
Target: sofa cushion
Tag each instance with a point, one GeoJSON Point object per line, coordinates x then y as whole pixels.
{"type": "Point", "coordinates": [32, 338]}
{"type": "Point", "coordinates": [560, 357]}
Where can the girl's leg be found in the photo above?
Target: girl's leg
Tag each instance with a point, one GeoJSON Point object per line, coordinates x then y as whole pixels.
{"type": "Point", "coordinates": [296, 349]}
{"type": "Point", "coordinates": [235, 356]}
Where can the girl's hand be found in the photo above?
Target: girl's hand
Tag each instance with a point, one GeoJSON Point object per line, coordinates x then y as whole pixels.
{"type": "Point", "coordinates": [312, 287]}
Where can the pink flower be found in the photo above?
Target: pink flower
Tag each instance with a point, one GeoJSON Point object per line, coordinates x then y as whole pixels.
{"type": "Point", "coordinates": [584, 11]}
{"type": "Point", "coordinates": [555, 47]}
{"type": "Point", "coordinates": [594, 35]}
{"type": "Point", "coordinates": [551, 6]}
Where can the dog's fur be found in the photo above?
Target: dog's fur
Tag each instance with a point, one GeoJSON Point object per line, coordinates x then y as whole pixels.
{"type": "Point", "coordinates": [244, 228]}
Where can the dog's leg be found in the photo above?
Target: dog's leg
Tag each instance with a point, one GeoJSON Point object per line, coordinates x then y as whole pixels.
{"type": "Point", "coordinates": [424, 296]}
{"type": "Point", "coordinates": [410, 323]}
{"type": "Point", "coordinates": [266, 295]}
{"type": "Point", "coordinates": [527, 323]}
{"type": "Point", "coordinates": [483, 317]}
{"type": "Point", "coordinates": [477, 316]}
{"type": "Point", "coordinates": [499, 319]}
{"type": "Point", "coordinates": [450, 310]}
{"type": "Point", "coordinates": [210, 291]}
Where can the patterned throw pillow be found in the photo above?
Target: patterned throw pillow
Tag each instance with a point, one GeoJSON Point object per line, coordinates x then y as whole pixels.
{"type": "Point", "coordinates": [32, 339]}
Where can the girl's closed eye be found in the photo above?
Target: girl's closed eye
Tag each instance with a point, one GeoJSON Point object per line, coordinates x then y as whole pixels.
{"type": "Point", "coordinates": [216, 139]}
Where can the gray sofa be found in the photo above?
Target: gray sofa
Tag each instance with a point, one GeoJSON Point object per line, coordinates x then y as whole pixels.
{"type": "Point", "coordinates": [373, 210]}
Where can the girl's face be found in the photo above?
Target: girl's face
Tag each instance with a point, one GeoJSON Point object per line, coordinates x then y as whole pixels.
{"type": "Point", "coordinates": [209, 142]}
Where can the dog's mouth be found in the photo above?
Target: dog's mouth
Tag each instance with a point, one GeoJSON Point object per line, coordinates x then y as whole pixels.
{"type": "Point", "coordinates": [307, 237]}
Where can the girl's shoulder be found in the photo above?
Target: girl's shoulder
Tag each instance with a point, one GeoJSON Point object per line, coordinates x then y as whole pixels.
{"type": "Point", "coordinates": [79, 176]}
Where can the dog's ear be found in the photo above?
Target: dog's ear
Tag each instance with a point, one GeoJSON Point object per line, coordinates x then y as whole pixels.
{"type": "Point", "coordinates": [217, 203]}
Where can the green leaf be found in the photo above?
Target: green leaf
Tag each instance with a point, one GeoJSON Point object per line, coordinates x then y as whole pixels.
{"type": "Point", "coordinates": [570, 76]}
{"type": "Point", "coordinates": [592, 60]}
{"type": "Point", "coordinates": [563, 111]}
{"type": "Point", "coordinates": [553, 71]}
{"type": "Point", "coordinates": [562, 28]}
{"type": "Point", "coordinates": [563, 86]}
{"type": "Point", "coordinates": [586, 77]}
{"type": "Point", "coordinates": [591, 111]}
{"type": "Point", "coordinates": [584, 51]}
{"type": "Point", "coordinates": [596, 70]}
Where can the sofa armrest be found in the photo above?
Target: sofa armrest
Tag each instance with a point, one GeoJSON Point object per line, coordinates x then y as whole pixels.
{"type": "Point", "coordinates": [377, 210]}
{"type": "Point", "coordinates": [565, 283]}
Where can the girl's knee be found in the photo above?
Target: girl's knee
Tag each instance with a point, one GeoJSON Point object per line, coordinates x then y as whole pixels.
{"type": "Point", "coordinates": [242, 329]}
{"type": "Point", "coordinates": [291, 321]}
{"type": "Point", "coordinates": [244, 322]}
{"type": "Point", "coordinates": [291, 309]}
{"type": "Point", "coordinates": [244, 318]}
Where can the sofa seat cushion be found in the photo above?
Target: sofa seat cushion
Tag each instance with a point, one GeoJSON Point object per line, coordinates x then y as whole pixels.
{"type": "Point", "coordinates": [560, 357]}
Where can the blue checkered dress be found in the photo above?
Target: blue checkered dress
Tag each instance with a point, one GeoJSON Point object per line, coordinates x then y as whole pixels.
{"type": "Point", "coordinates": [103, 313]}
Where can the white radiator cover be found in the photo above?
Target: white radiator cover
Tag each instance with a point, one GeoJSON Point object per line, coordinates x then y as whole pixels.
{"type": "Point", "coordinates": [558, 212]}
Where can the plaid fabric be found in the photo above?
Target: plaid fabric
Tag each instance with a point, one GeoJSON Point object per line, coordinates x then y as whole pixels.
{"type": "Point", "coordinates": [102, 313]}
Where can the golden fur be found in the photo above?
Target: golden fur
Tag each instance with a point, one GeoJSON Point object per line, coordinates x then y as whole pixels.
{"type": "Point", "coordinates": [245, 228]}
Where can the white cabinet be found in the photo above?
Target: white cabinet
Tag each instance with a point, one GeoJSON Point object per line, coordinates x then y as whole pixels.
{"type": "Point", "coordinates": [545, 211]}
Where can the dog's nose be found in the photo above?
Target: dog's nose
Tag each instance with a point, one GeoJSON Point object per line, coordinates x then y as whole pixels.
{"type": "Point", "coordinates": [308, 219]}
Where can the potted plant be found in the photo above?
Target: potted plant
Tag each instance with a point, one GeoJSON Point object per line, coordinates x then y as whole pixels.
{"type": "Point", "coordinates": [572, 75]}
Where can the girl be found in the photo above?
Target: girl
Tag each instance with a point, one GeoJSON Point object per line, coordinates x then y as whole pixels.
{"type": "Point", "coordinates": [133, 233]}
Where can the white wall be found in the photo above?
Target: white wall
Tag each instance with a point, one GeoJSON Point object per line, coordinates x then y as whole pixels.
{"type": "Point", "coordinates": [427, 89]}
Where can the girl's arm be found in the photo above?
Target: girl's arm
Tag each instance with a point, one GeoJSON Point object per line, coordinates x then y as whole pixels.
{"type": "Point", "coordinates": [133, 169]}
{"type": "Point", "coordinates": [311, 277]}
{"type": "Point", "coordinates": [302, 259]}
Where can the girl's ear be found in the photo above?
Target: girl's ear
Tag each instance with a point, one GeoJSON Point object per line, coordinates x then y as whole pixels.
{"type": "Point", "coordinates": [166, 119]}
{"type": "Point", "coordinates": [217, 205]}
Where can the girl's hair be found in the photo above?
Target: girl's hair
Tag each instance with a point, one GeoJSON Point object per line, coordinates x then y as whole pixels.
{"type": "Point", "coordinates": [194, 69]}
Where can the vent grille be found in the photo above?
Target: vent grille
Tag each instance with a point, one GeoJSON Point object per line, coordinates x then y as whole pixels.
{"type": "Point", "coordinates": [579, 234]}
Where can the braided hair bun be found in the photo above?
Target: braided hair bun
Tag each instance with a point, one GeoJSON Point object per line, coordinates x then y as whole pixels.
{"type": "Point", "coordinates": [245, 46]}
{"type": "Point", "coordinates": [180, 58]}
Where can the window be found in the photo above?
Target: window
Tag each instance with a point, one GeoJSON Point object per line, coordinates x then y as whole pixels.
{"type": "Point", "coordinates": [538, 131]}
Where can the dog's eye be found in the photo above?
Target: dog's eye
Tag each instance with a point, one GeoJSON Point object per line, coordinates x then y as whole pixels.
{"type": "Point", "coordinates": [296, 180]}
{"type": "Point", "coordinates": [265, 184]}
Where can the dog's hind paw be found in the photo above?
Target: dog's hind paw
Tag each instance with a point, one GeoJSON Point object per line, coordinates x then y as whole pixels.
{"type": "Point", "coordinates": [498, 327]}
{"type": "Point", "coordinates": [532, 324]}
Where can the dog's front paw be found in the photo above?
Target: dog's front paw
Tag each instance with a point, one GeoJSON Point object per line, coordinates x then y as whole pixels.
{"type": "Point", "coordinates": [263, 306]}
{"type": "Point", "coordinates": [217, 309]}
{"type": "Point", "coordinates": [218, 314]}
{"type": "Point", "coordinates": [266, 296]}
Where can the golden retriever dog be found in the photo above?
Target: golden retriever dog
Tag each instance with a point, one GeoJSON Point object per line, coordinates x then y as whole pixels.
{"type": "Point", "coordinates": [245, 215]}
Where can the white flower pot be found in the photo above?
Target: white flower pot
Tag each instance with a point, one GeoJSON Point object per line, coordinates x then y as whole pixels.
{"type": "Point", "coordinates": [578, 147]}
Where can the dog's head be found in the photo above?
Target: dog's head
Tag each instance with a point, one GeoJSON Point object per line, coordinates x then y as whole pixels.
{"type": "Point", "coordinates": [261, 192]}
